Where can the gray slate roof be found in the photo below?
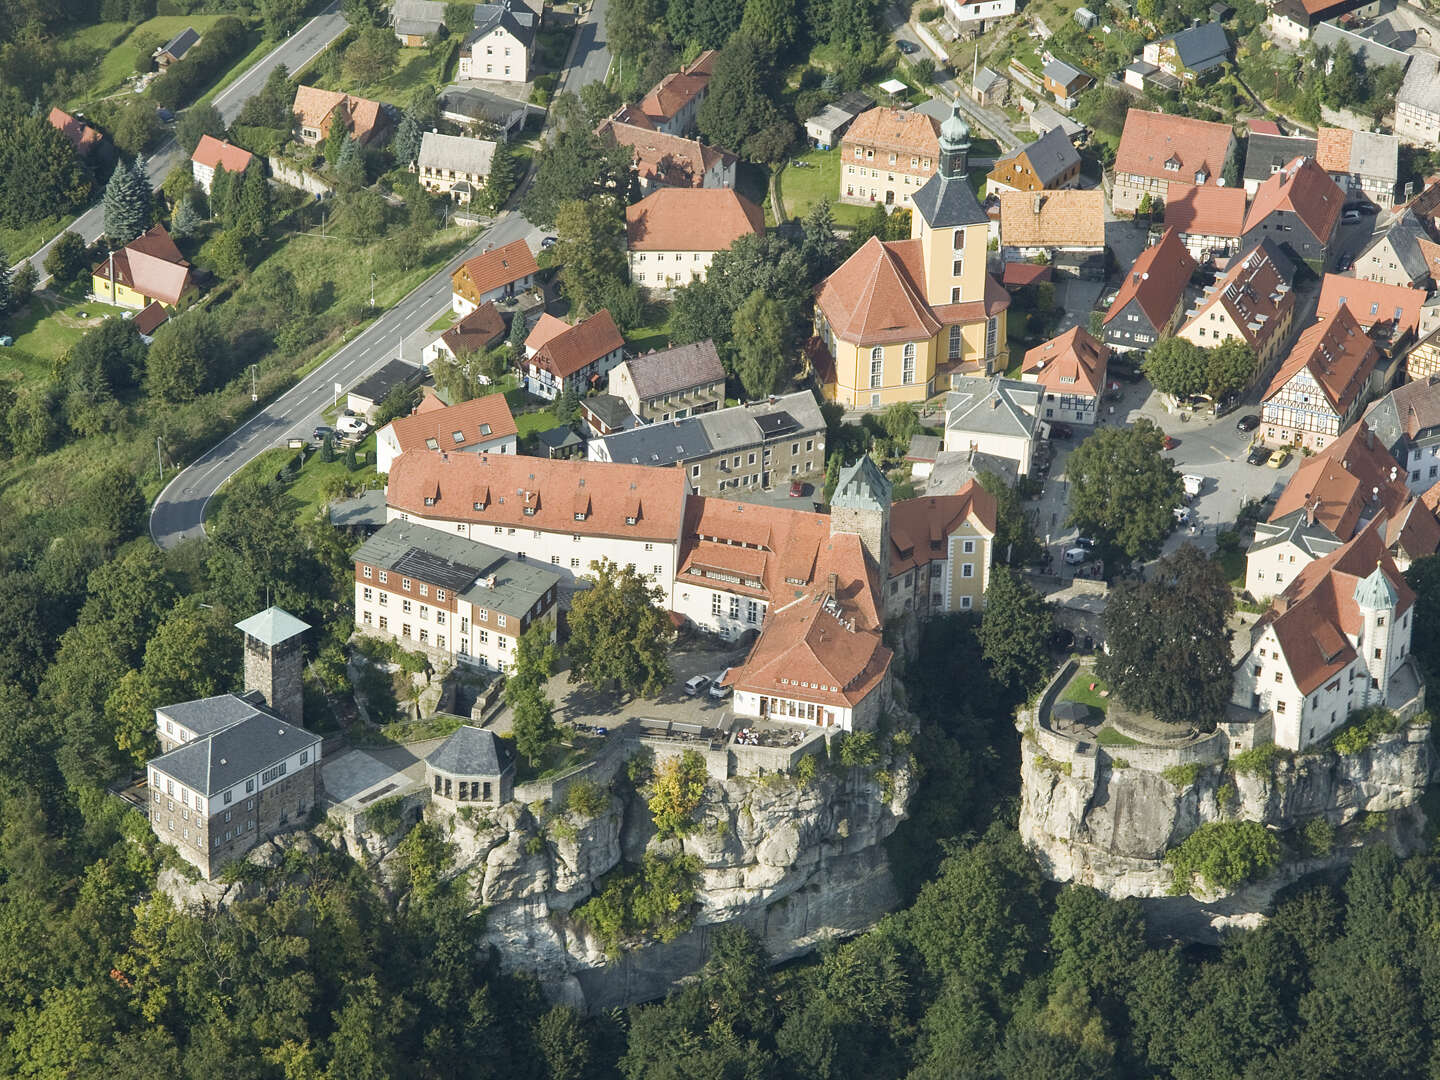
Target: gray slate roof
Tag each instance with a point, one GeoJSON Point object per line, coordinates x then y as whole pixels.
{"type": "Point", "coordinates": [1315, 540]}
{"type": "Point", "coordinates": [924, 447]}
{"type": "Point", "coordinates": [1045, 117]}
{"type": "Point", "coordinates": [422, 17]}
{"type": "Point", "coordinates": [456, 152]}
{"type": "Point", "coordinates": [205, 716]}
{"type": "Point", "coordinates": [1421, 87]}
{"type": "Point", "coordinates": [1062, 72]}
{"type": "Point", "coordinates": [861, 486]}
{"type": "Point", "coordinates": [272, 626]}
{"type": "Point", "coordinates": [830, 118]}
{"type": "Point", "coordinates": [716, 432]}
{"type": "Point", "coordinates": [1202, 47]}
{"type": "Point", "coordinates": [1404, 236]}
{"type": "Point", "coordinates": [181, 43]}
{"type": "Point", "coordinates": [947, 204]}
{"type": "Point", "coordinates": [521, 24]}
{"type": "Point", "coordinates": [1265, 154]}
{"type": "Point", "coordinates": [995, 406]}
{"type": "Point", "coordinates": [233, 754]}
{"type": "Point", "coordinates": [986, 79]}
{"type": "Point", "coordinates": [1411, 407]}
{"type": "Point", "coordinates": [559, 438]}
{"type": "Point", "coordinates": [458, 564]}
{"type": "Point", "coordinates": [1052, 154]}
{"type": "Point", "coordinates": [609, 410]}
{"type": "Point", "coordinates": [954, 469]}
{"type": "Point", "coordinates": [476, 104]}
{"type": "Point", "coordinates": [675, 370]}
{"type": "Point", "coordinates": [472, 751]}
{"type": "Point", "coordinates": [1328, 35]}
{"type": "Point", "coordinates": [395, 373]}
{"type": "Point", "coordinates": [1375, 155]}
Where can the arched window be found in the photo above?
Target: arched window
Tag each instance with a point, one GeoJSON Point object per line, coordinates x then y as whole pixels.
{"type": "Point", "coordinates": [907, 367]}
{"type": "Point", "coordinates": [877, 363]}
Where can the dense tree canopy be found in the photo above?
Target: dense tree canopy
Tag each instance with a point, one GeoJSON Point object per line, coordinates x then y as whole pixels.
{"type": "Point", "coordinates": [1122, 491]}
{"type": "Point", "coordinates": [619, 638]}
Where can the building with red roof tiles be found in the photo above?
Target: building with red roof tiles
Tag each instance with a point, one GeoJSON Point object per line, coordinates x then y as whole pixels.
{"type": "Point", "coordinates": [1210, 220]}
{"type": "Point", "coordinates": [211, 154]}
{"type": "Point", "coordinates": [317, 110]}
{"type": "Point", "coordinates": [576, 357]}
{"type": "Point", "coordinates": [80, 134]}
{"type": "Point", "coordinates": [1151, 298]}
{"type": "Point", "coordinates": [483, 328]}
{"type": "Point", "coordinates": [1071, 368]}
{"type": "Point", "coordinates": [670, 107]}
{"type": "Point", "coordinates": [1252, 301]}
{"type": "Point", "coordinates": [1336, 639]}
{"type": "Point", "coordinates": [886, 155]}
{"type": "Point", "coordinates": [1322, 386]}
{"type": "Point", "coordinates": [492, 275]}
{"type": "Point", "coordinates": [147, 269]}
{"type": "Point", "coordinates": [673, 234]}
{"type": "Point", "coordinates": [898, 319]}
{"type": "Point", "coordinates": [663, 160]}
{"type": "Point", "coordinates": [1298, 208]}
{"type": "Point", "coordinates": [482, 425]}
{"type": "Point", "coordinates": [1158, 149]}
{"type": "Point", "coordinates": [1388, 313]}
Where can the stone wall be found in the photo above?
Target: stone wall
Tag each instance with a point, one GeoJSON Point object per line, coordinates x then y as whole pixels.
{"type": "Point", "coordinates": [295, 177]}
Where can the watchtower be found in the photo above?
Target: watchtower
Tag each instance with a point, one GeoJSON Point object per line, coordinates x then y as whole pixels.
{"type": "Point", "coordinates": [274, 661]}
{"type": "Point", "coordinates": [861, 505]}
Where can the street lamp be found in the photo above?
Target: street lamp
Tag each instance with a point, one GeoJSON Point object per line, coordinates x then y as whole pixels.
{"type": "Point", "coordinates": [372, 288]}
{"type": "Point", "coordinates": [159, 461]}
{"type": "Point", "coordinates": [254, 377]}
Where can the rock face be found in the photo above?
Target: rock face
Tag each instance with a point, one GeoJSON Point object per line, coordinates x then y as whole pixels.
{"type": "Point", "coordinates": [1110, 827]}
{"type": "Point", "coordinates": [796, 863]}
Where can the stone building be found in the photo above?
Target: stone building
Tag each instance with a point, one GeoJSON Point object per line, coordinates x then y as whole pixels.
{"type": "Point", "coordinates": [471, 766]}
{"type": "Point", "coordinates": [274, 662]}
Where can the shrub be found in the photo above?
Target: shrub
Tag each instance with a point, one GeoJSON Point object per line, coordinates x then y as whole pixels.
{"type": "Point", "coordinates": [535, 845]}
{"type": "Point", "coordinates": [655, 901]}
{"type": "Point", "coordinates": [929, 14]}
{"type": "Point", "coordinates": [1119, 763]}
{"type": "Point", "coordinates": [859, 749]}
{"type": "Point", "coordinates": [679, 786]}
{"type": "Point", "coordinates": [1362, 727]}
{"type": "Point", "coordinates": [1223, 854]}
{"type": "Point", "coordinates": [1318, 836]}
{"type": "Point", "coordinates": [387, 816]}
{"type": "Point", "coordinates": [1049, 764]}
{"type": "Point", "coordinates": [1225, 795]}
{"type": "Point", "coordinates": [1259, 761]}
{"type": "Point", "coordinates": [805, 770]}
{"type": "Point", "coordinates": [588, 798]}
{"type": "Point", "coordinates": [1182, 776]}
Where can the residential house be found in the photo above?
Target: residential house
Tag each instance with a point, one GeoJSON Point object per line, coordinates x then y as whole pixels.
{"type": "Point", "coordinates": [211, 154]}
{"type": "Point", "coordinates": [825, 128]}
{"type": "Point", "coordinates": [941, 547]}
{"type": "Point", "coordinates": [235, 769]}
{"type": "Point", "coordinates": [1067, 227]}
{"type": "Point", "coordinates": [1365, 45]}
{"type": "Point", "coordinates": [1064, 82]}
{"type": "Point", "coordinates": [1071, 369]}
{"type": "Point", "coordinates": [1423, 361]}
{"type": "Point", "coordinates": [84, 138]}
{"type": "Point", "coordinates": [481, 425]}
{"type": "Point", "coordinates": [672, 234]}
{"type": "Point", "coordinates": [749, 447]}
{"type": "Point", "coordinates": [1322, 386]}
{"type": "Point", "coordinates": [316, 111]}
{"type": "Point", "coordinates": [1407, 423]}
{"type": "Point", "coordinates": [663, 160]}
{"type": "Point", "coordinates": [473, 765]}
{"type": "Point", "coordinates": [1045, 117]}
{"type": "Point", "coordinates": [174, 50]}
{"type": "Point", "coordinates": [1209, 220]}
{"type": "Point", "coordinates": [671, 384]}
{"type": "Point", "coordinates": [564, 513]}
{"type": "Point", "coordinates": [147, 269]}
{"type": "Point", "coordinates": [900, 317]}
{"type": "Point", "coordinates": [1298, 208]}
{"type": "Point", "coordinates": [1151, 298]}
{"type": "Point", "coordinates": [573, 358]}
{"type": "Point", "coordinates": [453, 165]}
{"type": "Point", "coordinates": [457, 600]}
{"type": "Point", "coordinates": [1252, 301]}
{"type": "Point", "coordinates": [563, 443]}
{"type": "Point", "coordinates": [996, 416]}
{"type": "Point", "coordinates": [1364, 164]}
{"type": "Point", "coordinates": [500, 45]}
{"type": "Point", "coordinates": [483, 328]}
{"type": "Point", "coordinates": [1282, 547]}
{"type": "Point", "coordinates": [605, 414]}
{"type": "Point", "coordinates": [670, 107]}
{"type": "Point", "coordinates": [887, 155]}
{"type": "Point", "coordinates": [1403, 254]}
{"type": "Point", "coordinates": [416, 21]}
{"type": "Point", "coordinates": [1047, 164]}
{"type": "Point", "coordinates": [1190, 54]}
{"type": "Point", "coordinates": [1267, 154]}
{"type": "Point", "coordinates": [989, 87]}
{"type": "Point", "coordinates": [499, 272]}
{"type": "Point", "coordinates": [1390, 314]}
{"type": "Point", "coordinates": [472, 107]}
{"type": "Point", "coordinates": [1417, 103]}
{"type": "Point", "coordinates": [1293, 21]}
{"type": "Point", "coordinates": [1143, 75]}
{"type": "Point", "coordinates": [364, 397]}
{"type": "Point", "coordinates": [1157, 149]}
{"type": "Point", "coordinates": [1335, 640]}
{"type": "Point", "coordinates": [963, 15]}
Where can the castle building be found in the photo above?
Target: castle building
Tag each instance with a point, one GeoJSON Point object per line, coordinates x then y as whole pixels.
{"type": "Point", "coordinates": [898, 319]}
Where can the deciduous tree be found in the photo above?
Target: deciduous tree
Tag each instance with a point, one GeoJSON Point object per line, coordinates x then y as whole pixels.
{"type": "Point", "coordinates": [619, 637]}
{"type": "Point", "coordinates": [590, 249]}
{"type": "Point", "coordinates": [759, 333]}
{"type": "Point", "coordinates": [1014, 629]}
{"type": "Point", "coordinates": [1122, 490]}
{"type": "Point", "coordinates": [196, 122]}
{"type": "Point", "coordinates": [67, 258]}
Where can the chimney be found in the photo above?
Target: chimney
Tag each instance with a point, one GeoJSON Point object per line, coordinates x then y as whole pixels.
{"type": "Point", "coordinates": [832, 585]}
{"type": "Point", "coordinates": [1038, 201]}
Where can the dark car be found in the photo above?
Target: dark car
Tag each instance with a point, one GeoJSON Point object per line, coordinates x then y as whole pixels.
{"type": "Point", "coordinates": [1346, 261]}
{"type": "Point", "coordinates": [547, 243]}
{"type": "Point", "coordinates": [907, 47]}
{"type": "Point", "coordinates": [1061, 431]}
{"type": "Point", "coordinates": [1259, 455]}
{"type": "Point", "coordinates": [1369, 209]}
{"type": "Point", "coordinates": [318, 435]}
{"type": "Point", "coordinates": [797, 488]}
{"type": "Point", "coordinates": [1249, 422]}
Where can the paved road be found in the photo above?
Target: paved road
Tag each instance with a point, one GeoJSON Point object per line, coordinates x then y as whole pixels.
{"type": "Point", "coordinates": [179, 512]}
{"type": "Point", "coordinates": [296, 51]}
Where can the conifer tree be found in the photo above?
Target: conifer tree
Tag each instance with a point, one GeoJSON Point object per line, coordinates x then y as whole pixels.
{"type": "Point", "coordinates": [127, 202]}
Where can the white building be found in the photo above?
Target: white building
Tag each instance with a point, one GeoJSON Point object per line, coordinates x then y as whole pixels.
{"type": "Point", "coordinates": [994, 416]}
{"type": "Point", "coordinates": [673, 234]}
{"type": "Point", "coordinates": [453, 165]}
{"type": "Point", "coordinates": [482, 425]}
{"type": "Point", "coordinates": [963, 12]}
{"type": "Point", "coordinates": [499, 47]}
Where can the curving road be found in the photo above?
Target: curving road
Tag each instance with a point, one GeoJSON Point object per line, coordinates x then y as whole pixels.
{"type": "Point", "coordinates": [295, 52]}
{"type": "Point", "coordinates": [179, 511]}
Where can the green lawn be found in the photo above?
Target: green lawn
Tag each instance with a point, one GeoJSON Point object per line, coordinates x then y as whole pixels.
{"type": "Point", "coordinates": [20, 244]}
{"type": "Point", "coordinates": [1079, 689]}
{"type": "Point", "coordinates": [415, 67]}
{"type": "Point", "coordinates": [118, 63]}
{"type": "Point", "coordinates": [654, 334]}
{"type": "Point", "coordinates": [318, 482]}
{"type": "Point", "coordinates": [1232, 563]}
{"type": "Point", "coordinates": [557, 759]}
{"type": "Point", "coordinates": [1108, 736]}
{"type": "Point", "coordinates": [51, 324]}
{"type": "Point", "coordinates": [444, 322]}
{"type": "Point", "coordinates": [802, 188]}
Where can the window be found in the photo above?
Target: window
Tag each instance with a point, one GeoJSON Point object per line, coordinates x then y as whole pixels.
{"type": "Point", "coordinates": [440, 618]}
{"type": "Point", "coordinates": [967, 569]}
{"type": "Point", "coordinates": [405, 584]}
{"type": "Point", "coordinates": [907, 367]}
{"type": "Point", "coordinates": [367, 571]}
{"type": "Point", "coordinates": [424, 611]}
{"type": "Point", "coordinates": [715, 604]}
{"type": "Point", "coordinates": [424, 589]}
{"type": "Point", "coordinates": [405, 606]}
{"type": "Point", "coordinates": [734, 607]}
{"type": "Point", "coordinates": [967, 546]}
{"type": "Point", "coordinates": [369, 595]}
{"type": "Point", "coordinates": [484, 637]}
{"type": "Point", "coordinates": [424, 636]}
{"type": "Point", "coordinates": [384, 622]}
{"type": "Point", "coordinates": [499, 619]}
{"type": "Point", "coordinates": [384, 577]}
{"type": "Point", "coordinates": [877, 363]}
{"type": "Point", "coordinates": [405, 629]}
{"type": "Point", "coordinates": [964, 603]}
{"type": "Point", "coordinates": [384, 599]}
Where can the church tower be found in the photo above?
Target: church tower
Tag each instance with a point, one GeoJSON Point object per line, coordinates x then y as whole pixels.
{"type": "Point", "coordinates": [861, 505]}
{"type": "Point", "coordinates": [274, 661]}
{"type": "Point", "coordinates": [1377, 600]}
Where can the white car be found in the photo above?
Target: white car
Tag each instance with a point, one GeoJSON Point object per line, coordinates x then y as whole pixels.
{"type": "Point", "coordinates": [351, 425]}
{"type": "Point", "coordinates": [1077, 555]}
{"type": "Point", "coordinates": [717, 687]}
{"type": "Point", "coordinates": [695, 684]}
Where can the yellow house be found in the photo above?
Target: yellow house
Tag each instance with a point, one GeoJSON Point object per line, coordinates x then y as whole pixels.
{"type": "Point", "coordinates": [147, 269]}
{"type": "Point", "coordinates": [900, 318]}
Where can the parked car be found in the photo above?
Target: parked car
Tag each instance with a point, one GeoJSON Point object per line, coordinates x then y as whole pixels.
{"type": "Point", "coordinates": [6, 341]}
{"type": "Point", "coordinates": [1258, 455]}
{"type": "Point", "coordinates": [1076, 555]}
{"type": "Point", "coordinates": [907, 47]}
{"type": "Point", "coordinates": [1350, 216]}
{"type": "Point", "coordinates": [718, 689]}
{"type": "Point", "coordinates": [1346, 261]}
{"type": "Point", "coordinates": [1086, 542]}
{"type": "Point", "coordinates": [1247, 423]}
{"type": "Point", "coordinates": [1367, 209]}
{"type": "Point", "coordinates": [1278, 458]}
{"type": "Point", "coordinates": [1193, 484]}
{"type": "Point", "coordinates": [1170, 442]}
{"type": "Point", "coordinates": [1060, 431]}
{"type": "Point", "coordinates": [797, 488]}
{"type": "Point", "coordinates": [318, 435]}
{"type": "Point", "coordinates": [547, 243]}
{"type": "Point", "coordinates": [351, 425]}
{"type": "Point", "coordinates": [696, 683]}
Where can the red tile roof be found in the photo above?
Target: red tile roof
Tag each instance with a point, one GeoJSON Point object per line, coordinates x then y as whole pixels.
{"type": "Point", "coordinates": [920, 528]}
{"type": "Point", "coordinates": [480, 420]}
{"type": "Point", "coordinates": [1152, 140]}
{"type": "Point", "coordinates": [81, 135]}
{"type": "Point", "coordinates": [498, 267]}
{"type": "Point", "coordinates": [691, 219]}
{"type": "Point", "coordinates": [1072, 363]}
{"type": "Point", "coordinates": [872, 298]}
{"type": "Point", "coordinates": [149, 318]}
{"type": "Point", "coordinates": [1254, 293]}
{"type": "Point", "coordinates": [584, 343]}
{"type": "Point", "coordinates": [546, 329]}
{"type": "Point", "coordinates": [1394, 308]}
{"type": "Point", "coordinates": [1067, 218]}
{"type": "Point", "coordinates": [1338, 355]}
{"type": "Point", "coordinates": [1157, 280]}
{"type": "Point", "coordinates": [1345, 484]}
{"type": "Point", "coordinates": [150, 264]}
{"type": "Point", "coordinates": [1306, 190]}
{"type": "Point", "coordinates": [502, 486]}
{"type": "Point", "coordinates": [678, 89]}
{"type": "Point", "coordinates": [905, 131]}
{"type": "Point", "coordinates": [312, 105]}
{"type": "Point", "coordinates": [479, 330]}
{"type": "Point", "coordinates": [1263, 127]}
{"type": "Point", "coordinates": [215, 152]}
{"type": "Point", "coordinates": [665, 160]}
{"type": "Point", "coordinates": [1205, 211]}
{"type": "Point", "coordinates": [1018, 275]}
{"type": "Point", "coordinates": [1332, 149]}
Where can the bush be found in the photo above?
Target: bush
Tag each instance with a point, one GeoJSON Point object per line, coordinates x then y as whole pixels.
{"type": "Point", "coordinates": [1182, 776]}
{"type": "Point", "coordinates": [387, 816]}
{"type": "Point", "coordinates": [1318, 836]}
{"type": "Point", "coordinates": [1362, 727]}
{"type": "Point", "coordinates": [858, 749]}
{"type": "Point", "coordinates": [1259, 761]}
{"type": "Point", "coordinates": [805, 770]}
{"type": "Point", "coordinates": [1224, 854]}
{"type": "Point", "coordinates": [656, 902]}
{"type": "Point", "coordinates": [679, 786]}
{"type": "Point", "coordinates": [929, 14]}
{"type": "Point", "coordinates": [184, 81]}
{"type": "Point", "coordinates": [588, 798]}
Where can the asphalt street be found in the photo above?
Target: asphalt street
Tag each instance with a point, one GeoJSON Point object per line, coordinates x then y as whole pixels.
{"type": "Point", "coordinates": [179, 512]}
{"type": "Point", "coordinates": [296, 51]}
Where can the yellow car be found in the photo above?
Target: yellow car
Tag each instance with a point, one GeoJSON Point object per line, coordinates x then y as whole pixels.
{"type": "Point", "coordinates": [1278, 458]}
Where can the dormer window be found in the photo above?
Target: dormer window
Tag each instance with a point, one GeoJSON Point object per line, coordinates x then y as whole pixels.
{"type": "Point", "coordinates": [529, 511]}
{"type": "Point", "coordinates": [458, 436]}
{"type": "Point", "coordinates": [431, 444]}
{"type": "Point", "coordinates": [630, 520]}
{"type": "Point", "coordinates": [580, 516]}
{"type": "Point", "coordinates": [1201, 176]}
{"type": "Point", "coordinates": [479, 506]}
{"type": "Point", "coordinates": [1173, 165]}
{"type": "Point", "coordinates": [484, 429]}
{"type": "Point", "coordinates": [429, 500]}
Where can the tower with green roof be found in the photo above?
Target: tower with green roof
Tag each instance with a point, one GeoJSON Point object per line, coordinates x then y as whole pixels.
{"type": "Point", "coordinates": [274, 660]}
{"type": "Point", "coordinates": [861, 505]}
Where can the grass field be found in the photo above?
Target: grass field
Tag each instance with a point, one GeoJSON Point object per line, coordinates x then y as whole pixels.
{"type": "Point", "coordinates": [317, 483]}
{"type": "Point", "coordinates": [1079, 690]}
{"type": "Point", "coordinates": [51, 324]}
{"type": "Point", "coordinates": [415, 67]}
{"type": "Point", "coordinates": [802, 188]}
{"type": "Point", "coordinates": [20, 244]}
{"type": "Point", "coordinates": [118, 63]}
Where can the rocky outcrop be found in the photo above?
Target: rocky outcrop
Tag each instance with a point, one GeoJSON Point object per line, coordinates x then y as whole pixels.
{"type": "Point", "coordinates": [797, 863]}
{"type": "Point", "coordinates": [1099, 823]}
